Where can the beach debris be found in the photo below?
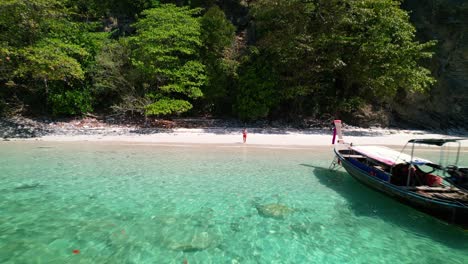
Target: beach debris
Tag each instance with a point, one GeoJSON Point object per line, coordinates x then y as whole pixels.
{"type": "Point", "coordinates": [274, 210]}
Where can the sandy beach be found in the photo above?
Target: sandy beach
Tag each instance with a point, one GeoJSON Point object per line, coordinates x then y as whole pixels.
{"type": "Point", "coordinates": [205, 132]}
{"type": "Point", "coordinates": [271, 137]}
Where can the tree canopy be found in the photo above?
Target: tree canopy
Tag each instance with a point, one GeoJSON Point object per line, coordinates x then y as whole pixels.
{"type": "Point", "coordinates": [291, 58]}
{"type": "Point", "coordinates": [165, 51]}
{"type": "Point", "coordinates": [338, 51]}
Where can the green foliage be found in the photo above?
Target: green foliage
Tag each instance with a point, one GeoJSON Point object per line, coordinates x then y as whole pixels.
{"type": "Point", "coordinates": [257, 92]}
{"type": "Point", "coordinates": [165, 52]}
{"type": "Point", "coordinates": [51, 59]}
{"type": "Point", "coordinates": [167, 106]}
{"type": "Point", "coordinates": [217, 36]}
{"type": "Point", "coordinates": [306, 57]}
{"type": "Point", "coordinates": [48, 47]}
{"type": "Point", "coordinates": [342, 48]}
{"type": "Point", "coordinates": [217, 32]}
{"type": "Point", "coordinates": [111, 75]}
{"type": "Point", "coordinates": [6, 63]}
{"type": "Point", "coordinates": [23, 22]}
{"type": "Point", "coordinates": [98, 8]}
{"type": "Point", "coordinates": [187, 79]}
{"type": "Point", "coordinates": [203, 3]}
{"type": "Point", "coordinates": [386, 56]}
{"type": "Point", "coordinates": [349, 105]}
{"type": "Point", "coordinates": [70, 102]}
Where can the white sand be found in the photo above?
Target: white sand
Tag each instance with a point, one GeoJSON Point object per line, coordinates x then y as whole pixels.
{"type": "Point", "coordinates": [272, 137]}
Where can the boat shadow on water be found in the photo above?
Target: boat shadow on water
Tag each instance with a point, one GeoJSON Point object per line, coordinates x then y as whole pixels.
{"type": "Point", "coordinates": [365, 202]}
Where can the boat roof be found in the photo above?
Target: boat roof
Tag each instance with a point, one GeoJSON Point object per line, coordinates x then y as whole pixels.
{"type": "Point", "coordinates": [388, 156]}
{"type": "Point", "coordinates": [435, 141]}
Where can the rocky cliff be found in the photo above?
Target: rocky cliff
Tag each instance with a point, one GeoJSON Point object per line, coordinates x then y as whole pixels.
{"type": "Point", "coordinates": [446, 105]}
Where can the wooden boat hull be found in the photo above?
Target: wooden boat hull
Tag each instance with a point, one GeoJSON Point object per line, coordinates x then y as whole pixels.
{"type": "Point", "coordinates": [451, 212]}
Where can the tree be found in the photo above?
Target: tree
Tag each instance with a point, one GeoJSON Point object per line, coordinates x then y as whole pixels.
{"type": "Point", "coordinates": [120, 8]}
{"type": "Point", "coordinates": [112, 74]}
{"type": "Point", "coordinates": [347, 49]}
{"type": "Point", "coordinates": [257, 90]}
{"type": "Point", "coordinates": [51, 53]}
{"type": "Point", "coordinates": [51, 60]}
{"type": "Point", "coordinates": [24, 22]}
{"type": "Point", "coordinates": [165, 52]}
{"type": "Point", "coordinates": [217, 35]}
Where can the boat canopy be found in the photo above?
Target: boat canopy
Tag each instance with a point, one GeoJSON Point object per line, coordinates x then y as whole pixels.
{"type": "Point", "coordinates": [435, 141]}
{"type": "Point", "coordinates": [388, 156]}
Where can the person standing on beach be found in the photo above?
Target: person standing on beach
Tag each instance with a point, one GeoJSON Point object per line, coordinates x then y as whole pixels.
{"type": "Point", "coordinates": [244, 134]}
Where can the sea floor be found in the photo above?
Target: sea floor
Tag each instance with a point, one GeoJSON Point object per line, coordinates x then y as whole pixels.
{"type": "Point", "coordinates": [149, 203]}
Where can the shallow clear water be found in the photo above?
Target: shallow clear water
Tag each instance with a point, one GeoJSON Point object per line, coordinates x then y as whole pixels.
{"type": "Point", "coordinates": [203, 204]}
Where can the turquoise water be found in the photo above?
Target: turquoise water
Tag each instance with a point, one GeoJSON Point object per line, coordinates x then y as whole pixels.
{"type": "Point", "coordinates": [203, 204]}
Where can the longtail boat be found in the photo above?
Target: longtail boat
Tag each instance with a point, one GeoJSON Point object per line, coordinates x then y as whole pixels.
{"type": "Point", "coordinates": [420, 183]}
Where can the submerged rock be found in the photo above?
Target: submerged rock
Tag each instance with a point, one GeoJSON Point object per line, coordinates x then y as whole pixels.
{"type": "Point", "coordinates": [306, 228]}
{"type": "Point", "coordinates": [27, 186]}
{"type": "Point", "coordinates": [198, 241]}
{"type": "Point", "coordinates": [188, 233]}
{"type": "Point", "coordinates": [277, 211]}
{"type": "Point", "coordinates": [235, 227]}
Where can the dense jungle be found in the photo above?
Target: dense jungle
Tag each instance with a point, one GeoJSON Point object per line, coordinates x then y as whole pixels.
{"type": "Point", "coordinates": [370, 62]}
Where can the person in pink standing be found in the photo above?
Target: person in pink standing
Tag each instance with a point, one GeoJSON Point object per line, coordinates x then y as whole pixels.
{"type": "Point", "coordinates": [244, 134]}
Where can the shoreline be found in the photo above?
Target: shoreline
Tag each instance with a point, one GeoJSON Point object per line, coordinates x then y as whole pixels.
{"type": "Point", "coordinates": [205, 131]}
{"type": "Point", "coordinates": [233, 136]}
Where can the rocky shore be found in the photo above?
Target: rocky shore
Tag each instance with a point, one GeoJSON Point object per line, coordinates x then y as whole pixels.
{"type": "Point", "coordinates": [24, 127]}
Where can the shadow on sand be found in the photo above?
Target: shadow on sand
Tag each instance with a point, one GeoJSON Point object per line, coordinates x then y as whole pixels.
{"type": "Point", "coordinates": [364, 201]}
{"type": "Point", "coordinates": [12, 128]}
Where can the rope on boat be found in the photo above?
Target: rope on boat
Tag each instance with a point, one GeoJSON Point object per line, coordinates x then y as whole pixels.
{"type": "Point", "coordinates": [335, 164]}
